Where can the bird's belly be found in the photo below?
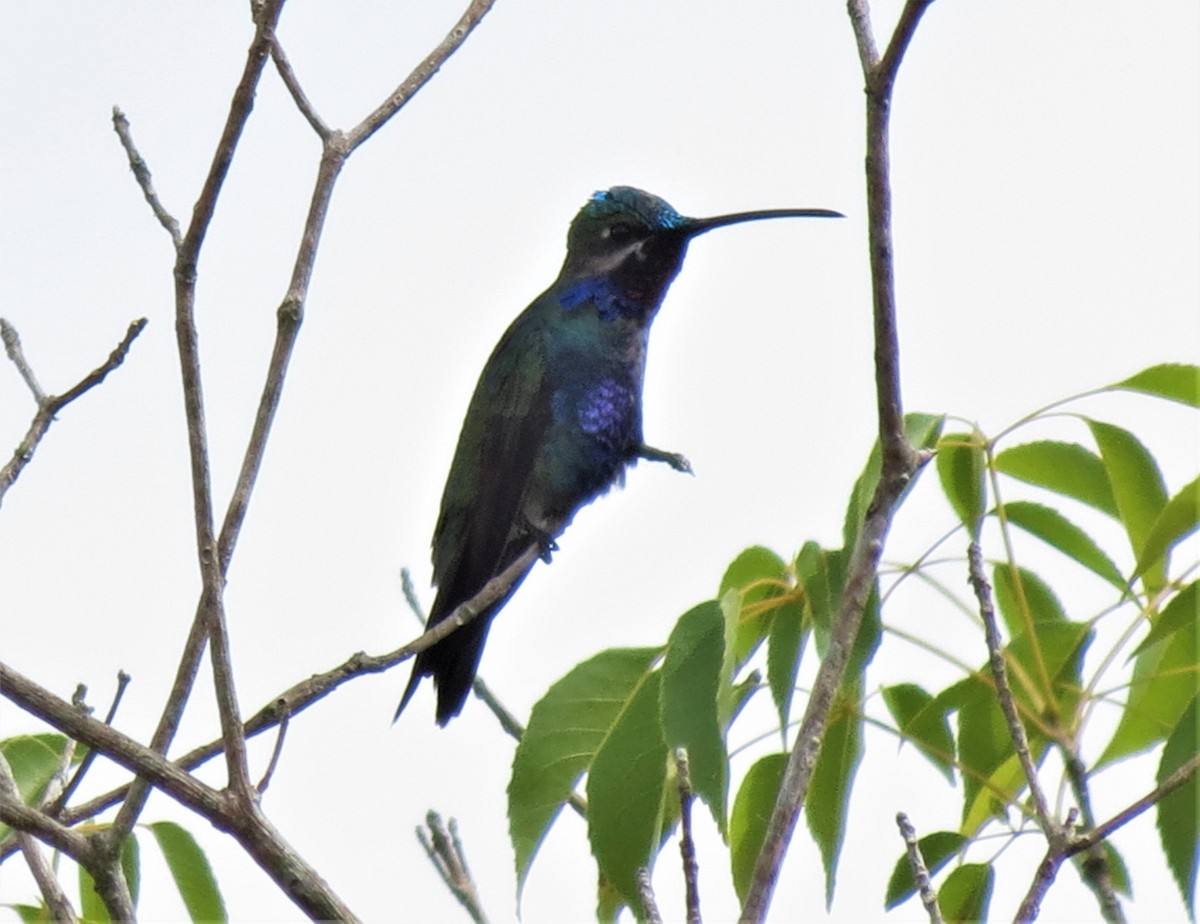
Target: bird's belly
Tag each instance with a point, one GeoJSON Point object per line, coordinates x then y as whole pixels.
{"type": "Point", "coordinates": [595, 434]}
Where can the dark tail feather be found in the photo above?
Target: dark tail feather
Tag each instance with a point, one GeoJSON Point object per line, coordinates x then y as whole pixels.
{"type": "Point", "coordinates": [451, 663]}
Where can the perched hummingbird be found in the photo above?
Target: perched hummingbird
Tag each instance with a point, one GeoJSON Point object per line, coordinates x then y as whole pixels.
{"type": "Point", "coordinates": [557, 414]}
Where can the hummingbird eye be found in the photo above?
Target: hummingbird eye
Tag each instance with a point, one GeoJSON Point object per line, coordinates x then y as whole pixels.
{"type": "Point", "coordinates": [620, 231]}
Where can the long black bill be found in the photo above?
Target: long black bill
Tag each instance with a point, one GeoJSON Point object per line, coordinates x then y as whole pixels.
{"type": "Point", "coordinates": [693, 226]}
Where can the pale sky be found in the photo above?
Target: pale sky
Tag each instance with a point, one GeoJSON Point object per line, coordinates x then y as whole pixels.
{"type": "Point", "coordinates": [1047, 202]}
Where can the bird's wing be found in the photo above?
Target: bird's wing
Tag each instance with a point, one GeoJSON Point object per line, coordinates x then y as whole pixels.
{"type": "Point", "coordinates": [480, 527]}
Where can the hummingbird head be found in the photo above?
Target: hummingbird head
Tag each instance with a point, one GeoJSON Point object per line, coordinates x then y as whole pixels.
{"type": "Point", "coordinates": [626, 246]}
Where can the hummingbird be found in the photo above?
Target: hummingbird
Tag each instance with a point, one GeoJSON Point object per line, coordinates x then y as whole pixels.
{"type": "Point", "coordinates": [556, 417]}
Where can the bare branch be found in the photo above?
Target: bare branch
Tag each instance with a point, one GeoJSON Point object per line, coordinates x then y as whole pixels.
{"type": "Point", "coordinates": [141, 173]}
{"type": "Point", "coordinates": [900, 460]}
{"type": "Point", "coordinates": [1168, 786]}
{"type": "Point", "coordinates": [276, 753]}
{"type": "Point", "coordinates": [445, 852]}
{"type": "Point", "coordinates": [920, 872]}
{"type": "Point", "coordinates": [433, 62]}
{"type": "Point", "coordinates": [50, 405]}
{"type": "Point", "coordinates": [687, 846]}
{"type": "Point", "coordinates": [1095, 870]}
{"type": "Point", "coordinates": [646, 895]}
{"type": "Point", "coordinates": [12, 346]}
{"type": "Point", "coordinates": [284, 67]}
{"type": "Point", "coordinates": [60, 802]}
{"type": "Point", "coordinates": [983, 593]}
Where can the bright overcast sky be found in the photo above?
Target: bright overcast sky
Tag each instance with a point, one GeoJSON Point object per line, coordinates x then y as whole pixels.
{"type": "Point", "coordinates": [1045, 158]}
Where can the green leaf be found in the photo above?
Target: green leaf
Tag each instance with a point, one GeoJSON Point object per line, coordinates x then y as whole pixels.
{"type": "Point", "coordinates": [1054, 654]}
{"type": "Point", "coordinates": [31, 914]}
{"type": "Point", "coordinates": [961, 469]}
{"type": "Point", "coordinates": [190, 870]}
{"type": "Point", "coordinates": [1064, 468]}
{"type": "Point", "coordinates": [937, 849]}
{"type": "Point", "coordinates": [785, 649]}
{"type": "Point", "coordinates": [131, 866]}
{"type": "Point", "coordinates": [819, 578]}
{"type": "Point", "coordinates": [1173, 381]}
{"type": "Point", "coordinates": [1138, 488]}
{"type": "Point", "coordinates": [626, 785]}
{"type": "Point", "coordinates": [752, 810]}
{"type": "Point", "coordinates": [1054, 529]}
{"type": "Point", "coordinates": [691, 683]}
{"type": "Point", "coordinates": [91, 907]}
{"type": "Point", "coordinates": [1179, 613]}
{"type": "Point", "coordinates": [1164, 681]}
{"type": "Point", "coordinates": [1178, 812]}
{"type": "Point", "coordinates": [757, 574]}
{"type": "Point", "coordinates": [828, 799]}
{"type": "Point", "coordinates": [566, 728]}
{"type": "Point", "coordinates": [1117, 870]}
{"type": "Point", "coordinates": [1178, 520]}
{"type": "Point", "coordinates": [34, 760]}
{"type": "Point", "coordinates": [965, 894]}
{"type": "Point", "coordinates": [983, 746]}
{"type": "Point", "coordinates": [922, 431]}
{"type": "Point", "coordinates": [1024, 594]}
{"type": "Point", "coordinates": [922, 722]}
{"type": "Point", "coordinates": [866, 643]}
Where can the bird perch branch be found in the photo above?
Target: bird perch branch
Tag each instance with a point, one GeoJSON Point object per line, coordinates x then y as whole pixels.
{"type": "Point", "coordinates": [900, 461]}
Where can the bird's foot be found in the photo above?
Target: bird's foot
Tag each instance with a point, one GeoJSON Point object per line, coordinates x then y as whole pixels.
{"type": "Point", "coordinates": [674, 459]}
{"type": "Point", "coordinates": [545, 541]}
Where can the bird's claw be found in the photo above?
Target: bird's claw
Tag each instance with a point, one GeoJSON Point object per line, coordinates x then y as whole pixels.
{"type": "Point", "coordinates": [545, 541]}
{"type": "Point", "coordinates": [676, 460]}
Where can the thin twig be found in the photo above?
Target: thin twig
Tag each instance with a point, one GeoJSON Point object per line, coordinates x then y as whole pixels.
{"type": "Point", "coordinates": [50, 405]}
{"type": "Point", "coordinates": [276, 753]}
{"type": "Point", "coordinates": [920, 872]}
{"type": "Point", "coordinates": [424, 71]}
{"type": "Point", "coordinates": [1102, 831]}
{"type": "Point", "coordinates": [284, 67]}
{"type": "Point", "coordinates": [646, 896]}
{"type": "Point", "coordinates": [445, 852]}
{"type": "Point", "coordinates": [687, 846]}
{"type": "Point", "coordinates": [983, 593]}
{"type": "Point", "coordinates": [141, 173]}
{"type": "Point", "coordinates": [12, 346]}
{"type": "Point", "coordinates": [60, 802]}
{"type": "Point", "coordinates": [1095, 869]}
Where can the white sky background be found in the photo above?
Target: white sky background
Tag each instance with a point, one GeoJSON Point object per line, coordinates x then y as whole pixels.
{"type": "Point", "coordinates": [1045, 159]}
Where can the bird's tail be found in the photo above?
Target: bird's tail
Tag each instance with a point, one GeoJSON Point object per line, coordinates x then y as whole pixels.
{"type": "Point", "coordinates": [452, 664]}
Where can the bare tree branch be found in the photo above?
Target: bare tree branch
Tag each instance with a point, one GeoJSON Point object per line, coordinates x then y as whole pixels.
{"type": "Point", "coordinates": [1095, 869]}
{"type": "Point", "coordinates": [141, 173]}
{"type": "Point", "coordinates": [445, 852]}
{"type": "Point", "coordinates": [899, 460]}
{"type": "Point", "coordinates": [920, 872]}
{"type": "Point", "coordinates": [983, 593]}
{"type": "Point", "coordinates": [687, 846]}
{"type": "Point", "coordinates": [60, 801]}
{"type": "Point", "coordinates": [12, 346]}
{"type": "Point", "coordinates": [50, 405]}
{"type": "Point", "coordinates": [646, 895]}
